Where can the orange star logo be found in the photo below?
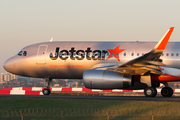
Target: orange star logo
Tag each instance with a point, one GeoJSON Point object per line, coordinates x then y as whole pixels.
{"type": "Point", "coordinates": [115, 53]}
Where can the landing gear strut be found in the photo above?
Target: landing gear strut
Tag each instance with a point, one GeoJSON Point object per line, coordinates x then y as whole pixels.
{"type": "Point", "coordinates": [150, 92]}
{"type": "Point", "coordinates": [47, 91]}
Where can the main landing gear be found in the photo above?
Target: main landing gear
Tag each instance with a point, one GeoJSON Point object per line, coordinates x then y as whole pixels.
{"type": "Point", "coordinates": [166, 92]}
{"type": "Point", "coordinates": [152, 92]}
{"type": "Point", "coordinates": [47, 91]}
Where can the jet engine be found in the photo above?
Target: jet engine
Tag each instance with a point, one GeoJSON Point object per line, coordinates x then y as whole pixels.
{"type": "Point", "coordinates": [103, 79]}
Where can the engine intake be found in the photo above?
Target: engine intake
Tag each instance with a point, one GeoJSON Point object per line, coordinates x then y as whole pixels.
{"type": "Point", "coordinates": [103, 79]}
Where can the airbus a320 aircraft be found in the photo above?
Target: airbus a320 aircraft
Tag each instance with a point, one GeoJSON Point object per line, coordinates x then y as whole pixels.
{"type": "Point", "coordinates": [103, 65]}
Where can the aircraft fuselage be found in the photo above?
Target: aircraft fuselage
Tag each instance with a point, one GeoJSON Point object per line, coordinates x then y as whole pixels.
{"type": "Point", "coordinates": [68, 60]}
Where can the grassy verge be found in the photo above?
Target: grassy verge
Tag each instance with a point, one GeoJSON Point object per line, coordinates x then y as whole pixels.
{"type": "Point", "coordinates": [37, 108]}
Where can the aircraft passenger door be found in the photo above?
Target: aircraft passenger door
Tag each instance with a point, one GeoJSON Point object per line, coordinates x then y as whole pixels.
{"type": "Point", "coordinates": [41, 54]}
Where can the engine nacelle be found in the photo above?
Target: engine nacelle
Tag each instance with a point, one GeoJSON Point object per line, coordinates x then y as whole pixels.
{"type": "Point", "coordinates": [103, 79]}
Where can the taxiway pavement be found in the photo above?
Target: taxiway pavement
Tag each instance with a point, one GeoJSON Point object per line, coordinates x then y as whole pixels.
{"type": "Point", "coordinates": [137, 98]}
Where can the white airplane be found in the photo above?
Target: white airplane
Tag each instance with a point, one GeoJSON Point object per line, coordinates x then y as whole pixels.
{"type": "Point", "coordinates": [103, 65]}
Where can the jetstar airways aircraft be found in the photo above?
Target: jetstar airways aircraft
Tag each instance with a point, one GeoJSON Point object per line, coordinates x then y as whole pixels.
{"type": "Point", "coordinates": [103, 65]}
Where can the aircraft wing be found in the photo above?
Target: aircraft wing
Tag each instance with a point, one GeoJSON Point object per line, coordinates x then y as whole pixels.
{"type": "Point", "coordinates": [149, 62]}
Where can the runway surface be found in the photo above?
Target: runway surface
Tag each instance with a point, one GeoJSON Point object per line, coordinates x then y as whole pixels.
{"type": "Point", "coordinates": [137, 98]}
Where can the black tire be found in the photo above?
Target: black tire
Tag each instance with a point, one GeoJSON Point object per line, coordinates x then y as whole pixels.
{"type": "Point", "coordinates": [166, 92]}
{"type": "Point", "coordinates": [46, 91]}
{"type": "Point", "coordinates": [150, 92]}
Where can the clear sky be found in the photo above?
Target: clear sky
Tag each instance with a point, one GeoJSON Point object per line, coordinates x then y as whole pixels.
{"type": "Point", "coordinates": [25, 22]}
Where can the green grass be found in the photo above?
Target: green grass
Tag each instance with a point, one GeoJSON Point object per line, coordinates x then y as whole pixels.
{"type": "Point", "coordinates": [42, 108]}
{"type": "Point", "coordinates": [11, 103]}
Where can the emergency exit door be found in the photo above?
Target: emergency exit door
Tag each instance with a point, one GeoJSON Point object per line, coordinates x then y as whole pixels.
{"type": "Point", "coordinates": [41, 54]}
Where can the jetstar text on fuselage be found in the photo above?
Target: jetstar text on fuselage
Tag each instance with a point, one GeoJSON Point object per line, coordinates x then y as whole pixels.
{"type": "Point", "coordinates": [88, 54]}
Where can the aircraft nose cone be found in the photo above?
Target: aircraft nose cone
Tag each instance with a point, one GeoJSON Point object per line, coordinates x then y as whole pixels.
{"type": "Point", "coordinates": [7, 65]}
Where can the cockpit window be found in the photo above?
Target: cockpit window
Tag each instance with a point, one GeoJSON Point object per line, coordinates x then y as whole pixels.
{"type": "Point", "coordinates": [24, 53]}
{"type": "Point", "coordinates": [20, 53]}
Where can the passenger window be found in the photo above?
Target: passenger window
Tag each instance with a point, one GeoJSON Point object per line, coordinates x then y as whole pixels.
{"type": "Point", "coordinates": [117, 54]}
{"type": "Point", "coordinates": [162, 54]}
{"type": "Point", "coordinates": [132, 54]}
{"type": "Point", "coordinates": [137, 54]}
{"type": "Point", "coordinates": [112, 54]}
{"type": "Point", "coordinates": [124, 54]}
{"type": "Point", "coordinates": [24, 53]}
{"type": "Point", "coordinates": [20, 53]}
{"type": "Point", "coordinates": [172, 54]}
{"type": "Point", "coordinates": [167, 54]}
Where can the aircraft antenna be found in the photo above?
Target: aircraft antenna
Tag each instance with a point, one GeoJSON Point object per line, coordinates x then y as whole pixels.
{"type": "Point", "coordinates": [51, 40]}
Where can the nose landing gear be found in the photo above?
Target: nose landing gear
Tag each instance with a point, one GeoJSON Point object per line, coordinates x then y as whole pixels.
{"type": "Point", "coordinates": [47, 91]}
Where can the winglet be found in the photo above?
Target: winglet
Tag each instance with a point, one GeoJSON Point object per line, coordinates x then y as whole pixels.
{"type": "Point", "coordinates": [163, 42]}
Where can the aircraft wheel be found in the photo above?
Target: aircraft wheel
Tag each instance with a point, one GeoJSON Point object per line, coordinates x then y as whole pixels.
{"type": "Point", "coordinates": [150, 92]}
{"type": "Point", "coordinates": [166, 92]}
{"type": "Point", "coordinates": [46, 91]}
